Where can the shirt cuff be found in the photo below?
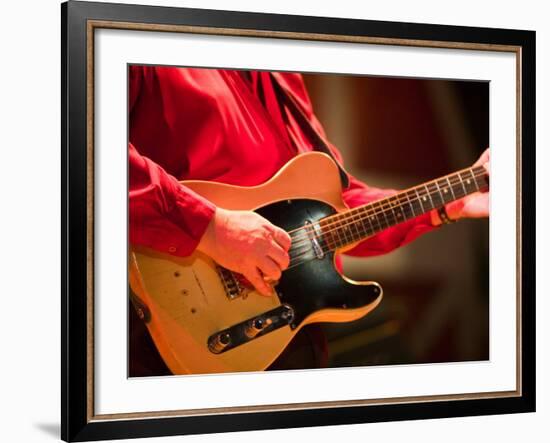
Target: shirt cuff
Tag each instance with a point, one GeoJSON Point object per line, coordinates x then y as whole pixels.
{"type": "Point", "coordinates": [191, 213]}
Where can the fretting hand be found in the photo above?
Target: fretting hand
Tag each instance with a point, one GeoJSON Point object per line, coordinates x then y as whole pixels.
{"type": "Point", "coordinates": [247, 243]}
{"type": "Point", "coordinates": [472, 206]}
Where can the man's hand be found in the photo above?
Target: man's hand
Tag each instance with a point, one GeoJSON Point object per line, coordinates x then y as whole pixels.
{"type": "Point", "coordinates": [474, 205]}
{"type": "Point", "coordinates": [247, 243]}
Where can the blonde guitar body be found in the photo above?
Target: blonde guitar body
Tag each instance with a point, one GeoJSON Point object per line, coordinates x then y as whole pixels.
{"type": "Point", "coordinates": [203, 320]}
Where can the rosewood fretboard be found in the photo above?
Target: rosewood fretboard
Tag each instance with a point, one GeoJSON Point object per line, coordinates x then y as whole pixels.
{"type": "Point", "coordinates": [346, 228]}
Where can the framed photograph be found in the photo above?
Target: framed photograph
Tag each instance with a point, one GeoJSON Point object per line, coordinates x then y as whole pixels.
{"type": "Point", "coordinates": [276, 221]}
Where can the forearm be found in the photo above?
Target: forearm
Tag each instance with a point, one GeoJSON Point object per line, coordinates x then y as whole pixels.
{"type": "Point", "coordinates": [163, 214]}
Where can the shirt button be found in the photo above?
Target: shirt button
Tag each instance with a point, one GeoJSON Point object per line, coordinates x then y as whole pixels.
{"type": "Point", "coordinates": [172, 249]}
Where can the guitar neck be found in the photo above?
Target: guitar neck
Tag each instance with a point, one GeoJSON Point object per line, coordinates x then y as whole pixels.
{"type": "Point", "coordinates": [347, 228]}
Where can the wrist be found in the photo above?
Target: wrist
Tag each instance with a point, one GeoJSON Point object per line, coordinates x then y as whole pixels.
{"type": "Point", "coordinates": [435, 219]}
{"type": "Point", "coordinates": [449, 213]}
{"type": "Point", "coordinates": [454, 210]}
{"type": "Point", "coordinates": [208, 238]}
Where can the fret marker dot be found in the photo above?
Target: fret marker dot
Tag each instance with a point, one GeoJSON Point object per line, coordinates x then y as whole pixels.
{"type": "Point", "coordinates": [445, 190]}
{"type": "Point", "coordinates": [424, 198]}
{"type": "Point", "coordinates": [468, 181]}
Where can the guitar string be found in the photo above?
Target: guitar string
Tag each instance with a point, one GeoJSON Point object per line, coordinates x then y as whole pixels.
{"type": "Point", "coordinates": [403, 194]}
{"type": "Point", "coordinates": [382, 207]}
{"type": "Point", "coordinates": [303, 246]}
{"type": "Point", "coordinates": [477, 172]}
{"type": "Point", "coordinates": [308, 238]}
{"type": "Point", "coordinates": [309, 234]}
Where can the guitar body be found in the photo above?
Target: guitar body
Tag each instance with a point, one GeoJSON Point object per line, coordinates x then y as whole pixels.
{"type": "Point", "coordinates": [187, 302]}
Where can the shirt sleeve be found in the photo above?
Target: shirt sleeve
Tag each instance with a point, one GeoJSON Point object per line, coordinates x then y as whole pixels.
{"type": "Point", "coordinates": [358, 193]}
{"type": "Point", "coordinates": [164, 215]}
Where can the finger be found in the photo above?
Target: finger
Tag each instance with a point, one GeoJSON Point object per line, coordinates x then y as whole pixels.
{"type": "Point", "coordinates": [269, 268]}
{"type": "Point", "coordinates": [484, 158]}
{"type": "Point", "coordinates": [477, 205]}
{"type": "Point", "coordinates": [255, 277]}
{"type": "Point", "coordinates": [281, 237]}
{"type": "Point", "coordinates": [278, 255]}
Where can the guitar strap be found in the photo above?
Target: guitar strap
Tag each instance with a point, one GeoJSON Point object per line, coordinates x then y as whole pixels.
{"type": "Point", "coordinates": [319, 144]}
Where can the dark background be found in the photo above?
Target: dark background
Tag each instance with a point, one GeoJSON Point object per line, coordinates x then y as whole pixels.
{"type": "Point", "coordinates": [397, 133]}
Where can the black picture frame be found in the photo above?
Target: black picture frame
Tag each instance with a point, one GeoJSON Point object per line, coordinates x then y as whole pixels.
{"type": "Point", "coordinates": [77, 419]}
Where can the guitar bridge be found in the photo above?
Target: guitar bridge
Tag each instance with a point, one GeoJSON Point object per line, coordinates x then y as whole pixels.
{"type": "Point", "coordinates": [231, 284]}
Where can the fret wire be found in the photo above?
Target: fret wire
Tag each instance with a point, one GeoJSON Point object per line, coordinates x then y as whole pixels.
{"type": "Point", "coordinates": [363, 220]}
{"type": "Point", "coordinates": [459, 188]}
{"type": "Point", "coordinates": [457, 182]}
{"type": "Point", "coordinates": [419, 200]}
{"type": "Point", "coordinates": [383, 212]}
{"type": "Point", "coordinates": [467, 179]}
{"type": "Point", "coordinates": [366, 222]}
{"type": "Point", "coordinates": [429, 195]}
{"type": "Point", "coordinates": [365, 217]}
{"type": "Point", "coordinates": [435, 194]}
{"type": "Point", "coordinates": [476, 181]}
{"type": "Point", "coordinates": [458, 185]}
{"type": "Point", "coordinates": [339, 240]}
{"type": "Point", "coordinates": [440, 194]}
{"type": "Point", "coordinates": [329, 235]}
{"type": "Point", "coordinates": [462, 183]}
{"type": "Point", "coordinates": [335, 235]}
{"type": "Point", "coordinates": [390, 215]}
{"type": "Point", "coordinates": [354, 224]}
{"type": "Point", "coordinates": [402, 207]}
{"type": "Point", "coordinates": [392, 208]}
{"type": "Point", "coordinates": [474, 177]}
{"type": "Point", "coordinates": [374, 217]}
{"type": "Point", "coordinates": [399, 206]}
{"type": "Point", "coordinates": [340, 232]}
{"type": "Point", "coordinates": [446, 194]}
{"type": "Point", "coordinates": [424, 196]}
{"type": "Point", "coordinates": [343, 234]}
{"type": "Point", "coordinates": [368, 228]}
{"type": "Point", "coordinates": [370, 217]}
{"type": "Point", "coordinates": [347, 232]}
{"type": "Point", "coordinates": [451, 188]}
{"type": "Point", "coordinates": [410, 204]}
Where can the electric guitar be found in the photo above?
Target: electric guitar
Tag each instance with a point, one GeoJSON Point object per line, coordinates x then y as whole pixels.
{"type": "Point", "coordinates": [206, 319]}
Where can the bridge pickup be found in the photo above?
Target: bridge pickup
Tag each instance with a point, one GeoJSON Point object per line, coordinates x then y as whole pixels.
{"type": "Point", "coordinates": [250, 329]}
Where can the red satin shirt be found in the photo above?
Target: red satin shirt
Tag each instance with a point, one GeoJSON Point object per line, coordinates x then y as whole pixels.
{"type": "Point", "coordinates": [225, 126]}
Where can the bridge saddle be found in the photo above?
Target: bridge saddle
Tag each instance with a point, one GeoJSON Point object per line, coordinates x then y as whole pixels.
{"type": "Point", "coordinates": [232, 285]}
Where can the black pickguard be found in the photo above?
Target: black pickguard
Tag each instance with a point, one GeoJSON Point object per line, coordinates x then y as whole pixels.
{"type": "Point", "coordinates": [316, 284]}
